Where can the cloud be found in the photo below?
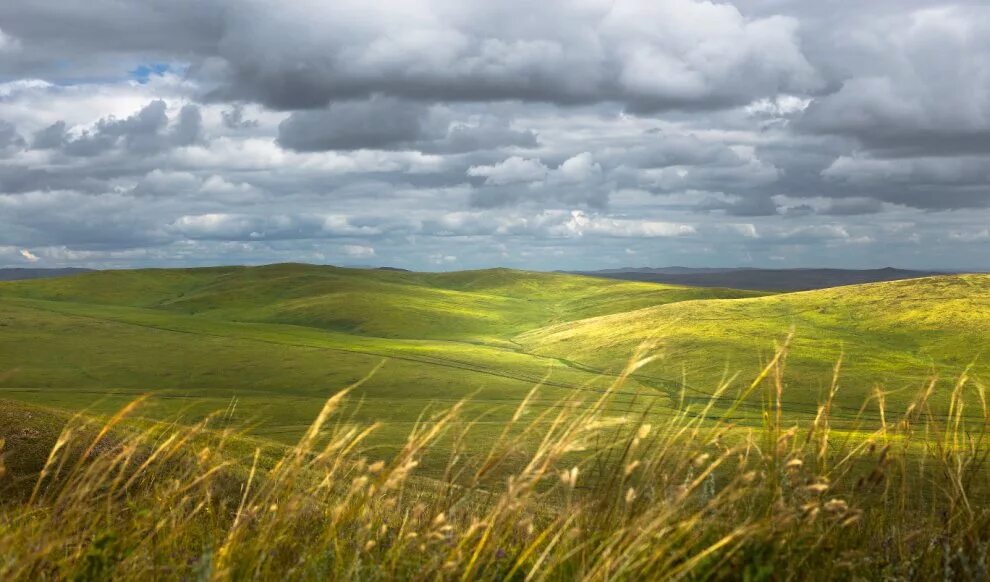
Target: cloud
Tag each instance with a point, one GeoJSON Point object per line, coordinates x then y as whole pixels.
{"type": "Point", "coordinates": [9, 138]}
{"type": "Point", "coordinates": [380, 123]}
{"type": "Point", "coordinates": [650, 55]}
{"type": "Point", "coordinates": [385, 123]}
{"type": "Point", "coordinates": [487, 133]}
{"type": "Point", "coordinates": [147, 131]}
{"type": "Point", "coordinates": [578, 179]}
{"type": "Point", "coordinates": [513, 170]}
{"type": "Point", "coordinates": [442, 259]}
{"type": "Point", "coordinates": [928, 182]}
{"type": "Point", "coordinates": [739, 131]}
{"type": "Point", "coordinates": [581, 224]}
{"type": "Point", "coordinates": [29, 256]}
{"type": "Point", "coordinates": [359, 251]}
{"type": "Point", "coordinates": [224, 226]}
{"type": "Point", "coordinates": [918, 85]}
{"type": "Point", "coordinates": [8, 44]}
{"type": "Point", "coordinates": [971, 236]}
{"type": "Point", "coordinates": [52, 137]}
{"type": "Point", "coordinates": [234, 118]}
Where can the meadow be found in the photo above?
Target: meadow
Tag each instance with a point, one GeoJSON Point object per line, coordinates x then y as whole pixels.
{"type": "Point", "coordinates": [308, 422]}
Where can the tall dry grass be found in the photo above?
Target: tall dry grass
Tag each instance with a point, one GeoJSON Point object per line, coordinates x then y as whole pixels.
{"type": "Point", "coordinates": [566, 492]}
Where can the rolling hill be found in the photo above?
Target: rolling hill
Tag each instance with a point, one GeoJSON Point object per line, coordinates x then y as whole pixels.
{"type": "Point", "coordinates": [892, 334]}
{"type": "Point", "coordinates": [280, 338]}
{"type": "Point", "coordinates": [487, 305]}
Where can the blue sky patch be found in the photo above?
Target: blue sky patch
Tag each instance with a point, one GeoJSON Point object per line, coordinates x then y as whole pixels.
{"type": "Point", "coordinates": [143, 73]}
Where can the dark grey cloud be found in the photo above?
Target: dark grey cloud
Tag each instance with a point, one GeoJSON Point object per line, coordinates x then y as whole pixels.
{"type": "Point", "coordinates": [386, 123]}
{"type": "Point", "coordinates": [10, 139]}
{"type": "Point", "coordinates": [188, 127]}
{"type": "Point", "coordinates": [233, 118]}
{"type": "Point", "coordinates": [52, 137]}
{"type": "Point", "coordinates": [380, 123]}
{"type": "Point", "coordinates": [442, 134]}
{"type": "Point", "coordinates": [84, 39]}
{"type": "Point", "coordinates": [911, 82]}
{"type": "Point", "coordinates": [561, 52]}
{"type": "Point", "coordinates": [145, 132]}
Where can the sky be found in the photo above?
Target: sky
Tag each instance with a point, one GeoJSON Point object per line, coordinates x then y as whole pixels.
{"type": "Point", "coordinates": [452, 134]}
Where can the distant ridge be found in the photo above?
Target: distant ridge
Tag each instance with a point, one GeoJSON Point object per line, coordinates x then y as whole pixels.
{"type": "Point", "coordinates": [19, 274]}
{"type": "Point", "coordinates": [760, 279]}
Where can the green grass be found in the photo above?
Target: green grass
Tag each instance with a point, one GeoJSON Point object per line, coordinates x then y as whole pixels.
{"type": "Point", "coordinates": [271, 338]}
{"type": "Point", "coordinates": [479, 306]}
{"type": "Point", "coordinates": [891, 334]}
{"type": "Point", "coordinates": [475, 479]}
{"type": "Point", "coordinates": [281, 338]}
{"type": "Point", "coordinates": [561, 495]}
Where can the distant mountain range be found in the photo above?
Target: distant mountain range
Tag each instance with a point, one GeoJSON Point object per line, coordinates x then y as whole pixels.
{"type": "Point", "coordinates": [759, 279]}
{"type": "Point", "coordinates": [20, 274]}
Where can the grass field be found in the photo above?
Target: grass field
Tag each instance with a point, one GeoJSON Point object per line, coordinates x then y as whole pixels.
{"type": "Point", "coordinates": [268, 346]}
{"type": "Point", "coordinates": [280, 339]}
{"type": "Point", "coordinates": [892, 335]}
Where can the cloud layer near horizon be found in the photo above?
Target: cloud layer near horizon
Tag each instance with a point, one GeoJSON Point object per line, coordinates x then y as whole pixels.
{"type": "Point", "coordinates": [434, 134]}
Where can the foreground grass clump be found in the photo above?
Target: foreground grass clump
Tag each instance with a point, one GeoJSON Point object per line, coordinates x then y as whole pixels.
{"type": "Point", "coordinates": [565, 492]}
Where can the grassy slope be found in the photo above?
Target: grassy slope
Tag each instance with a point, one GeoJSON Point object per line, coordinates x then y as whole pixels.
{"type": "Point", "coordinates": [28, 433]}
{"type": "Point", "coordinates": [283, 337]}
{"type": "Point", "coordinates": [487, 305]}
{"type": "Point", "coordinates": [891, 333]}
{"type": "Point", "coordinates": [198, 338]}
{"type": "Point", "coordinates": [272, 337]}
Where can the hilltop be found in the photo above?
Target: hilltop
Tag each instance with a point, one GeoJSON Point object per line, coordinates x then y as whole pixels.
{"type": "Point", "coordinates": [279, 338]}
{"type": "Point", "coordinates": [892, 333]}
{"type": "Point", "coordinates": [479, 305]}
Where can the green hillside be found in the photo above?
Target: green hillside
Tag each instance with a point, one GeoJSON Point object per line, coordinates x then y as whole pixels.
{"type": "Point", "coordinates": [892, 334]}
{"type": "Point", "coordinates": [488, 305]}
{"type": "Point", "coordinates": [279, 339]}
